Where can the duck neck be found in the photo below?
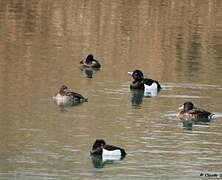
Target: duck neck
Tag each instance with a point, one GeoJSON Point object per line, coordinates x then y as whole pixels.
{"type": "Point", "coordinates": [138, 81]}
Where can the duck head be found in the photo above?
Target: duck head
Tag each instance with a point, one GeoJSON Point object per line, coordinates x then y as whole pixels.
{"type": "Point", "coordinates": [97, 147]}
{"type": "Point", "coordinates": [187, 106]}
{"type": "Point", "coordinates": [137, 75]}
{"type": "Point", "coordinates": [99, 143]}
{"type": "Point", "coordinates": [89, 59]}
{"type": "Point", "coordinates": [63, 89]}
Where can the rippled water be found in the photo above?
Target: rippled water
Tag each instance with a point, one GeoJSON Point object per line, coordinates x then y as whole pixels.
{"type": "Point", "coordinates": [178, 43]}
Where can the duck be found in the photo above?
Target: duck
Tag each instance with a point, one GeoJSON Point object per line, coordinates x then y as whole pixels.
{"type": "Point", "coordinates": [142, 83]}
{"type": "Point", "coordinates": [90, 62]}
{"type": "Point", "coordinates": [66, 96]}
{"type": "Point", "coordinates": [188, 112]}
{"type": "Point", "coordinates": [100, 148]}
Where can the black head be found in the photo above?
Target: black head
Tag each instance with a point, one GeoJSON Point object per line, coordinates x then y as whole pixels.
{"type": "Point", "coordinates": [99, 143]}
{"type": "Point", "coordinates": [89, 58]}
{"type": "Point", "coordinates": [188, 106]}
{"type": "Point", "coordinates": [137, 75]}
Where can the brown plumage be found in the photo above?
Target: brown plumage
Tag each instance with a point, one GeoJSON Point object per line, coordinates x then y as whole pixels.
{"type": "Point", "coordinates": [188, 112]}
{"type": "Point", "coordinates": [66, 96]}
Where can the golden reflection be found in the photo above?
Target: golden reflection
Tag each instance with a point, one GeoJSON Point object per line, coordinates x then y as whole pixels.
{"type": "Point", "coordinates": [42, 43]}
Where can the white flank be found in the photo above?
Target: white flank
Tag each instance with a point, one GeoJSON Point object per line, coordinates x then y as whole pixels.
{"type": "Point", "coordinates": [150, 90]}
{"type": "Point", "coordinates": [151, 87]}
{"type": "Point", "coordinates": [116, 152]}
{"type": "Point", "coordinates": [61, 99]}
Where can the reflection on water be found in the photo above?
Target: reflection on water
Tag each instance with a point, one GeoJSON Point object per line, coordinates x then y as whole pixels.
{"type": "Point", "coordinates": [189, 124]}
{"type": "Point", "coordinates": [137, 97]}
{"type": "Point", "coordinates": [151, 93]}
{"type": "Point", "coordinates": [88, 72]}
{"type": "Point", "coordinates": [41, 44]}
{"type": "Point", "coordinates": [100, 162]}
{"type": "Point", "coordinates": [64, 106]}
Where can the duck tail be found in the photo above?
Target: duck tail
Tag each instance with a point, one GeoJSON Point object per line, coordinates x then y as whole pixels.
{"type": "Point", "coordinates": [211, 116]}
{"type": "Point", "coordinates": [123, 152]}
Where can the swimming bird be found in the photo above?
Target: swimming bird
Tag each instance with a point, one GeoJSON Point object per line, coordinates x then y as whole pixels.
{"type": "Point", "coordinates": [100, 148]}
{"type": "Point", "coordinates": [90, 62]}
{"type": "Point", "coordinates": [66, 96]}
{"type": "Point", "coordinates": [188, 112]}
{"type": "Point", "coordinates": [143, 83]}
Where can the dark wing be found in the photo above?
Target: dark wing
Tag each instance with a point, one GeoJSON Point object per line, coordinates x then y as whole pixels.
{"type": "Point", "coordinates": [75, 95]}
{"type": "Point", "coordinates": [148, 82]}
{"type": "Point", "coordinates": [112, 148]}
{"type": "Point", "coordinates": [200, 113]}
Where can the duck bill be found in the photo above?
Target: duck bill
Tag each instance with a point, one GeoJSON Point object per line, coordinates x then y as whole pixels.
{"type": "Point", "coordinates": [130, 73]}
{"type": "Point", "coordinates": [180, 108]}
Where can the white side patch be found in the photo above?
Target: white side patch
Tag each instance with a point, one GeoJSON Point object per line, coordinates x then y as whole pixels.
{"type": "Point", "coordinates": [150, 90]}
{"type": "Point", "coordinates": [116, 152]}
{"type": "Point", "coordinates": [61, 99]}
{"type": "Point", "coordinates": [151, 87]}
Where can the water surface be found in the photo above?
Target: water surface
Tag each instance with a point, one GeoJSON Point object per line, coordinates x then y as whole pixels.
{"type": "Point", "coordinates": [178, 43]}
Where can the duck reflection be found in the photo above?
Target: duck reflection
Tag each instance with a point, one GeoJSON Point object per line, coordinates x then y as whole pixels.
{"type": "Point", "coordinates": [63, 106]}
{"type": "Point", "coordinates": [89, 71]}
{"type": "Point", "coordinates": [138, 95]}
{"type": "Point", "coordinates": [150, 93]}
{"type": "Point", "coordinates": [188, 124]}
{"type": "Point", "coordinates": [100, 161]}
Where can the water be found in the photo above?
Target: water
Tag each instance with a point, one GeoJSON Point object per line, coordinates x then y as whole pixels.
{"type": "Point", "coordinates": [178, 43]}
